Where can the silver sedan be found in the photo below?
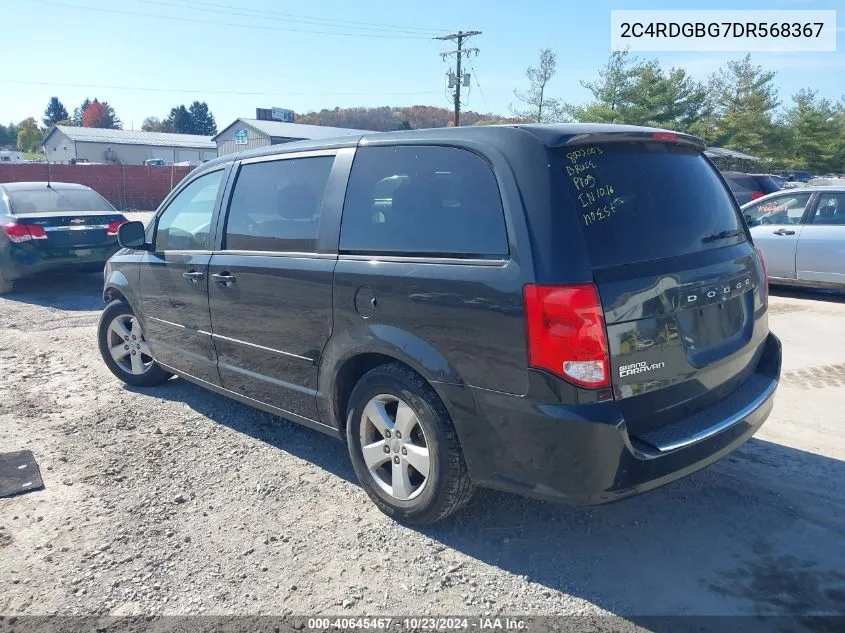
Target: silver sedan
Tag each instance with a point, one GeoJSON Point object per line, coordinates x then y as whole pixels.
{"type": "Point", "coordinates": [801, 233]}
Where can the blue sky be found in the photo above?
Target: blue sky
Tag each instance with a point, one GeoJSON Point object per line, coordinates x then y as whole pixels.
{"type": "Point", "coordinates": [179, 51]}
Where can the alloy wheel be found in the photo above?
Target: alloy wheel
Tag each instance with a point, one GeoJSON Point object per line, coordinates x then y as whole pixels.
{"type": "Point", "coordinates": [395, 447]}
{"type": "Point", "coordinates": [127, 345]}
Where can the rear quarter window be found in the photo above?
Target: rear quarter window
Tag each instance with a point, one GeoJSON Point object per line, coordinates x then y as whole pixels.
{"type": "Point", "coordinates": [422, 200]}
{"type": "Point", "coordinates": [644, 201]}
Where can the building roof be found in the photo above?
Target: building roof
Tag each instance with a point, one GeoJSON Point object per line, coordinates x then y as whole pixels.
{"type": "Point", "coordinates": [723, 152]}
{"type": "Point", "coordinates": [133, 137]}
{"type": "Point", "coordinates": [293, 130]}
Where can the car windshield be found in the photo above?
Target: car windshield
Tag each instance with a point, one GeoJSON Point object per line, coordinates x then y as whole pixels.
{"type": "Point", "coordinates": [53, 199]}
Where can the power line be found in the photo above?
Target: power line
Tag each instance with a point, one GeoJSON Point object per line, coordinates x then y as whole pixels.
{"type": "Point", "coordinates": [212, 91]}
{"type": "Point", "coordinates": [478, 83]}
{"type": "Point", "coordinates": [459, 38]}
{"type": "Point", "coordinates": [228, 24]}
{"type": "Point", "coordinates": [293, 17]}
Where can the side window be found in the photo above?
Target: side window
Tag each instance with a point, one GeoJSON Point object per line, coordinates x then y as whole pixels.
{"type": "Point", "coordinates": [276, 205]}
{"type": "Point", "coordinates": [786, 209]}
{"type": "Point", "coordinates": [186, 222]}
{"type": "Point", "coordinates": [422, 200]}
{"type": "Point", "coordinates": [831, 209]}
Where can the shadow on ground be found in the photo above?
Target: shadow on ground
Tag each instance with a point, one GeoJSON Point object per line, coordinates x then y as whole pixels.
{"type": "Point", "coordinates": [80, 292]}
{"type": "Point", "coordinates": [830, 296]}
{"type": "Point", "coordinates": [759, 533]}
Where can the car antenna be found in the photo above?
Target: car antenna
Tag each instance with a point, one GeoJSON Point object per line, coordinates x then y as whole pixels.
{"type": "Point", "coordinates": [47, 158]}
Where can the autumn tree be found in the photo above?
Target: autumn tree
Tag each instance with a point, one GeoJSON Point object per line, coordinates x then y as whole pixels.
{"type": "Point", "coordinates": [540, 108]}
{"type": "Point", "coordinates": [102, 115]}
{"type": "Point", "coordinates": [79, 112]}
{"type": "Point", "coordinates": [29, 136]}
{"type": "Point", "coordinates": [153, 124]}
{"type": "Point", "coordinates": [55, 113]}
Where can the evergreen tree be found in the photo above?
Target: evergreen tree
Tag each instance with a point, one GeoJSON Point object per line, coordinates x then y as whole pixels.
{"type": "Point", "coordinates": [54, 113]}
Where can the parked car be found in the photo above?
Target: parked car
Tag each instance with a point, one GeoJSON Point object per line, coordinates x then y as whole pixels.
{"type": "Point", "coordinates": [477, 323]}
{"type": "Point", "coordinates": [155, 162]}
{"type": "Point", "coordinates": [748, 187]}
{"type": "Point", "coordinates": [50, 227]}
{"type": "Point", "coordinates": [802, 236]}
{"type": "Point", "coordinates": [825, 182]}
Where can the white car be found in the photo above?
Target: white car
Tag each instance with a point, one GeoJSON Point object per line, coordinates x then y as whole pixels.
{"type": "Point", "coordinates": [801, 233]}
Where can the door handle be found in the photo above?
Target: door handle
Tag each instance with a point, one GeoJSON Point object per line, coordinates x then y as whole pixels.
{"type": "Point", "coordinates": [193, 276]}
{"type": "Point", "coordinates": [224, 278]}
{"type": "Point", "coordinates": [784, 232]}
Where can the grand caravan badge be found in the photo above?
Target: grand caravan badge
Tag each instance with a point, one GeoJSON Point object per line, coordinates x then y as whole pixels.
{"type": "Point", "coordinates": [639, 368]}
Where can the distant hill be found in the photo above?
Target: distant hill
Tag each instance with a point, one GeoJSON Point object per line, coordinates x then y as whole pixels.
{"type": "Point", "coordinates": [387, 118]}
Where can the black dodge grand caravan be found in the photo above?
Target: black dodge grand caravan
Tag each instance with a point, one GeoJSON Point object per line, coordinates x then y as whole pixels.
{"type": "Point", "coordinates": [573, 312]}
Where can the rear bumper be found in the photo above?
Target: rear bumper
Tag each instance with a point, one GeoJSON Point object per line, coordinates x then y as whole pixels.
{"type": "Point", "coordinates": [27, 260]}
{"type": "Point", "coordinates": [583, 454]}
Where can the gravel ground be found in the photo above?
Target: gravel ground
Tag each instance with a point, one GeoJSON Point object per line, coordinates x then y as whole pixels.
{"type": "Point", "coordinates": [178, 501]}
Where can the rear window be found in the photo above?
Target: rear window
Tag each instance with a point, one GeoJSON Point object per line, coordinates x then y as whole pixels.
{"type": "Point", "coordinates": [643, 201]}
{"type": "Point", "coordinates": [50, 199]}
{"type": "Point", "coordinates": [767, 184]}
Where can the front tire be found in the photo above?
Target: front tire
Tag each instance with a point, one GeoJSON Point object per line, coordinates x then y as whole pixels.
{"type": "Point", "coordinates": [124, 349]}
{"type": "Point", "coordinates": [404, 448]}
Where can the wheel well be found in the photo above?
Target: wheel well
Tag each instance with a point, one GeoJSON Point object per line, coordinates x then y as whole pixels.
{"type": "Point", "coordinates": [348, 376]}
{"type": "Point", "coordinates": [111, 294]}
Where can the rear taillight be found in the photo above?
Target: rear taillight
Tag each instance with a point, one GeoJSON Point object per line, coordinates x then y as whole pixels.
{"type": "Point", "coordinates": [757, 194]}
{"type": "Point", "coordinates": [764, 284]}
{"type": "Point", "coordinates": [37, 232]}
{"type": "Point", "coordinates": [23, 233]}
{"type": "Point", "coordinates": [112, 228]}
{"type": "Point", "coordinates": [566, 333]}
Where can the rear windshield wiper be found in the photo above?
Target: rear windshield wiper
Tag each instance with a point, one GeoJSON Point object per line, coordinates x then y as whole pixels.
{"type": "Point", "coordinates": [722, 236]}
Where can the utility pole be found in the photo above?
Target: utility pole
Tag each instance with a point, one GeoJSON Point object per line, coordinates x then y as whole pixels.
{"type": "Point", "coordinates": [459, 38]}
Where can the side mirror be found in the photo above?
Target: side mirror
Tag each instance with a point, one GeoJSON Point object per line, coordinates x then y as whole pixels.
{"type": "Point", "coordinates": [132, 235]}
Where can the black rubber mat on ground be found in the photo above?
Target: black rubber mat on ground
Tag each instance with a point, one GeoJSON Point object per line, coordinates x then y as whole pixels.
{"type": "Point", "coordinates": [19, 473]}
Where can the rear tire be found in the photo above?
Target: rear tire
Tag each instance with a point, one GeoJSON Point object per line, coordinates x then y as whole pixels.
{"type": "Point", "coordinates": [124, 349]}
{"type": "Point", "coordinates": [6, 285]}
{"type": "Point", "coordinates": [416, 475]}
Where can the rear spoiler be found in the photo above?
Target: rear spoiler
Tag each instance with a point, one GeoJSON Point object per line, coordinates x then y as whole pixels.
{"type": "Point", "coordinates": [661, 136]}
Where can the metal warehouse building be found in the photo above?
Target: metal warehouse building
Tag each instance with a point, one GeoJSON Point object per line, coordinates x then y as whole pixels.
{"type": "Point", "coordinates": [246, 134]}
{"type": "Point", "coordinates": [126, 147]}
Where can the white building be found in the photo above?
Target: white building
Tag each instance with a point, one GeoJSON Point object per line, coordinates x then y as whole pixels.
{"type": "Point", "coordinates": [244, 134]}
{"type": "Point", "coordinates": [127, 147]}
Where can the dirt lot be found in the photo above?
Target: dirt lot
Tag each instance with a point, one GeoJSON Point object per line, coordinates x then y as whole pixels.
{"type": "Point", "coordinates": [174, 500]}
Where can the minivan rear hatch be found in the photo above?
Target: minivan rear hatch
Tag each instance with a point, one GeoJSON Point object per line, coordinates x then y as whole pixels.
{"type": "Point", "coordinates": [679, 280]}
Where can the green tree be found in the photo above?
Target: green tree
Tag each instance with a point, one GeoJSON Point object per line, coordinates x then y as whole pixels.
{"type": "Point", "coordinates": [815, 130]}
{"type": "Point", "coordinates": [745, 100]}
{"type": "Point", "coordinates": [178, 121]}
{"type": "Point", "coordinates": [79, 112]}
{"type": "Point", "coordinates": [665, 98]}
{"type": "Point", "coordinates": [613, 91]}
{"type": "Point", "coordinates": [54, 113]}
{"type": "Point", "coordinates": [8, 135]}
{"type": "Point", "coordinates": [29, 136]}
{"type": "Point", "coordinates": [202, 121]}
{"type": "Point", "coordinates": [540, 108]}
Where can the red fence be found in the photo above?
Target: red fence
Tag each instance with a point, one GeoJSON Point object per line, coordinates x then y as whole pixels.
{"type": "Point", "coordinates": [125, 186]}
